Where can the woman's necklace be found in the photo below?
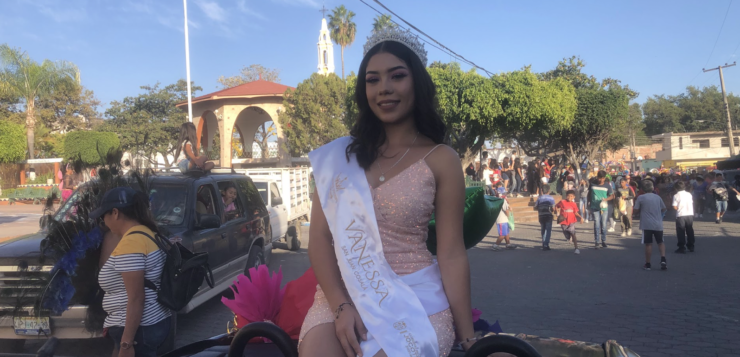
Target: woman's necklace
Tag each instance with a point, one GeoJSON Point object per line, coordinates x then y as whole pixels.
{"type": "Point", "coordinates": [382, 173]}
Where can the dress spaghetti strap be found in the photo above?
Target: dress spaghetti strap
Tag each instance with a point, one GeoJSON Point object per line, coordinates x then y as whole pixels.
{"type": "Point", "coordinates": [430, 151]}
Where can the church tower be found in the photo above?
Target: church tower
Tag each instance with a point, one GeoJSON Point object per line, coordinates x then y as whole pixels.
{"type": "Point", "coordinates": [326, 50]}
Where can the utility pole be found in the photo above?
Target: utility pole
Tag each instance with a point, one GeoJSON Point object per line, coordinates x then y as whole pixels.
{"type": "Point", "coordinates": [187, 62]}
{"type": "Point", "coordinates": [730, 138]}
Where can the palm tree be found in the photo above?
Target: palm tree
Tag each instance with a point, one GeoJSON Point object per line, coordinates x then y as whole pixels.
{"type": "Point", "coordinates": [342, 28]}
{"type": "Point", "coordinates": [21, 77]}
{"type": "Point", "coordinates": [382, 22]}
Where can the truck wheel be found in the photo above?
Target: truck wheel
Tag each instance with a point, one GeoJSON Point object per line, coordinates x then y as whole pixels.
{"type": "Point", "coordinates": [293, 238]}
{"type": "Point", "coordinates": [255, 259]}
{"type": "Point", "coordinates": [12, 346]}
{"type": "Point", "coordinates": [169, 343]}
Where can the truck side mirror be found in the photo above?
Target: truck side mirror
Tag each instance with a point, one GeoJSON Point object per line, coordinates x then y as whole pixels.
{"type": "Point", "coordinates": [277, 201]}
{"type": "Point", "coordinates": [209, 221]}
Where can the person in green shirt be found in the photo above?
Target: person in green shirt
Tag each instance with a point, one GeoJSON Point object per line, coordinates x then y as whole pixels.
{"type": "Point", "coordinates": [599, 194]}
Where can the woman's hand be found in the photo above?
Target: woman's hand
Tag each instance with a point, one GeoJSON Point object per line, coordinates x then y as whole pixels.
{"type": "Point", "coordinates": [350, 331]}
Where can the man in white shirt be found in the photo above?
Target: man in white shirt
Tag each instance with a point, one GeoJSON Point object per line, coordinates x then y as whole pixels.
{"type": "Point", "coordinates": [683, 203]}
{"type": "Point", "coordinates": [486, 179]}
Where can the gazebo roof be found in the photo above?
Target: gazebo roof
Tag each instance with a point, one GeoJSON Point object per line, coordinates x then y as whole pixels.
{"type": "Point", "coordinates": [258, 88]}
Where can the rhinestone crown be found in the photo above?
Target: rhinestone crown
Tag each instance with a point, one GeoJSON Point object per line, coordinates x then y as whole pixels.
{"type": "Point", "coordinates": [404, 37]}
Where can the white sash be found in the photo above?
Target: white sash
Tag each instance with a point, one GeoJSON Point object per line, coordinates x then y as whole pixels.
{"type": "Point", "coordinates": [390, 306]}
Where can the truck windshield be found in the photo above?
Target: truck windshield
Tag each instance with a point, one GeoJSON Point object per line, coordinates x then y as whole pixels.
{"type": "Point", "coordinates": [167, 204]}
{"type": "Point", "coordinates": [262, 188]}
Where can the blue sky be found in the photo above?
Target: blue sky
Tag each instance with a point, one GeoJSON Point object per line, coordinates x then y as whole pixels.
{"type": "Point", "coordinates": [657, 47]}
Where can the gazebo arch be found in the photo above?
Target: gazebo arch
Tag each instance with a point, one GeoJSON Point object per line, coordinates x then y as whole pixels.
{"type": "Point", "coordinates": [244, 107]}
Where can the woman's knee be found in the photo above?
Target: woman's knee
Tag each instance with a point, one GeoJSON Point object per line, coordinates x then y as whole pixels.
{"type": "Point", "coordinates": [321, 340]}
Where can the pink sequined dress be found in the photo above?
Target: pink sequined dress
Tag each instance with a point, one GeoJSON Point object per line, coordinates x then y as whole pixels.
{"type": "Point", "coordinates": [403, 207]}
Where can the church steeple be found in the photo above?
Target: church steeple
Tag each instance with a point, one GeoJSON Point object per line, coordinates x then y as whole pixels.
{"type": "Point", "coordinates": [326, 50]}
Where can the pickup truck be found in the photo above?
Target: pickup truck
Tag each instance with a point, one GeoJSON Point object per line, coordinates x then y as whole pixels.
{"type": "Point", "coordinates": [287, 195]}
{"type": "Point", "coordinates": [188, 207]}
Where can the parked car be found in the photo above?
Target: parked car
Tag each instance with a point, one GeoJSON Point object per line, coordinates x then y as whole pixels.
{"type": "Point", "coordinates": [188, 207]}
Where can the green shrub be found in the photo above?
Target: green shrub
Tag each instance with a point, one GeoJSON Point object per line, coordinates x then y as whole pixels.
{"type": "Point", "coordinates": [13, 139]}
{"type": "Point", "coordinates": [90, 146]}
{"type": "Point", "coordinates": [7, 192]}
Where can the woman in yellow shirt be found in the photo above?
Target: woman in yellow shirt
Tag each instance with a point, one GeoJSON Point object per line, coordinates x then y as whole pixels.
{"type": "Point", "coordinates": [136, 322]}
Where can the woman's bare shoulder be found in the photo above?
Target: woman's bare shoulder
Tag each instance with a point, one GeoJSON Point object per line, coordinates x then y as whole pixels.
{"type": "Point", "coordinates": [441, 159]}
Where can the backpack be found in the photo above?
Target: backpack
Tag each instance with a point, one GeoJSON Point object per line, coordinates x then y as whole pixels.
{"type": "Point", "coordinates": [182, 274]}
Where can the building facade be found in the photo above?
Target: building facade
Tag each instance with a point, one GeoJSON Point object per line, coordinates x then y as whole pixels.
{"type": "Point", "coordinates": [694, 150]}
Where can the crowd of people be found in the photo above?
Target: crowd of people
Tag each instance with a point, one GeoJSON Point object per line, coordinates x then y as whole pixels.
{"type": "Point", "coordinates": [607, 199]}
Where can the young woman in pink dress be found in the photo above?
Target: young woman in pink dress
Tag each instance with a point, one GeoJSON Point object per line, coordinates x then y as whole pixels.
{"type": "Point", "coordinates": [406, 174]}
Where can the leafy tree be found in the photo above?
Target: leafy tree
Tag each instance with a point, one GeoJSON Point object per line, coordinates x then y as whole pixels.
{"type": "Point", "coordinates": [342, 29]}
{"type": "Point", "coordinates": [149, 123]}
{"type": "Point", "coordinates": [383, 22]}
{"type": "Point", "coordinates": [353, 111]}
{"type": "Point", "coordinates": [48, 143]}
{"type": "Point", "coordinates": [10, 109]}
{"type": "Point", "coordinates": [534, 110]}
{"type": "Point", "coordinates": [250, 73]}
{"type": "Point", "coordinates": [468, 103]}
{"type": "Point", "coordinates": [600, 115]}
{"type": "Point", "coordinates": [314, 113]}
{"type": "Point", "coordinates": [570, 70]}
{"type": "Point", "coordinates": [13, 139]}
{"type": "Point", "coordinates": [90, 147]}
{"type": "Point", "coordinates": [264, 132]}
{"type": "Point", "coordinates": [695, 110]}
{"type": "Point", "coordinates": [68, 109]}
{"type": "Point", "coordinates": [21, 77]}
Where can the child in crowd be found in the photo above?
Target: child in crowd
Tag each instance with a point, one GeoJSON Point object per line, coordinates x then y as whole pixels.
{"type": "Point", "coordinates": [568, 210]}
{"type": "Point", "coordinates": [500, 190]}
{"type": "Point", "coordinates": [502, 224]}
{"type": "Point", "coordinates": [228, 195]}
{"type": "Point", "coordinates": [544, 205]}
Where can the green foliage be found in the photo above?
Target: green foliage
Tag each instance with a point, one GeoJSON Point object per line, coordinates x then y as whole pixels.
{"type": "Point", "coordinates": [149, 123]}
{"type": "Point", "coordinates": [21, 77]}
{"type": "Point", "coordinates": [469, 104]}
{"type": "Point", "coordinates": [534, 109]}
{"type": "Point", "coordinates": [13, 139]}
{"type": "Point", "coordinates": [314, 113]}
{"type": "Point", "coordinates": [68, 109]}
{"type": "Point", "coordinates": [383, 22]}
{"type": "Point", "coordinates": [342, 29]}
{"type": "Point", "coordinates": [601, 114]}
{"type": "Point", "coordinates": [90, 147]}
{"type": "Point", "coordinates": [47, 142]}
{"type": "Point", "coordinates": [352, 111]}
{"type": "Point", "coordinates": [251, 73]}
{"type": "Point", "coordinates": [694, 110]}
{"type": "Point", "coordinates": [570, 70]}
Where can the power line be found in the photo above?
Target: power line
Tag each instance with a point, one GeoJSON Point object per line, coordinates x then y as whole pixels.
{"type": "Point", "coordinates": [404, 28]}
{"type": "Point", "coordinates": [443, 48]}
{"type": "Point", "coordinates": [720, 33]}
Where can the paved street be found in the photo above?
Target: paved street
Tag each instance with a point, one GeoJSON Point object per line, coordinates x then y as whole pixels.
{"type": "Point", "coordinates": [597, 295]}
{"type": "Point", "coordinates": [19, 219]}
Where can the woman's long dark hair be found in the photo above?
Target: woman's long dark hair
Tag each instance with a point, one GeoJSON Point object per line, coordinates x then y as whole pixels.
{"type": "Point", "coordinates": [368, 133]}
{"type": "Point", "coordinates": [187, 133]}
